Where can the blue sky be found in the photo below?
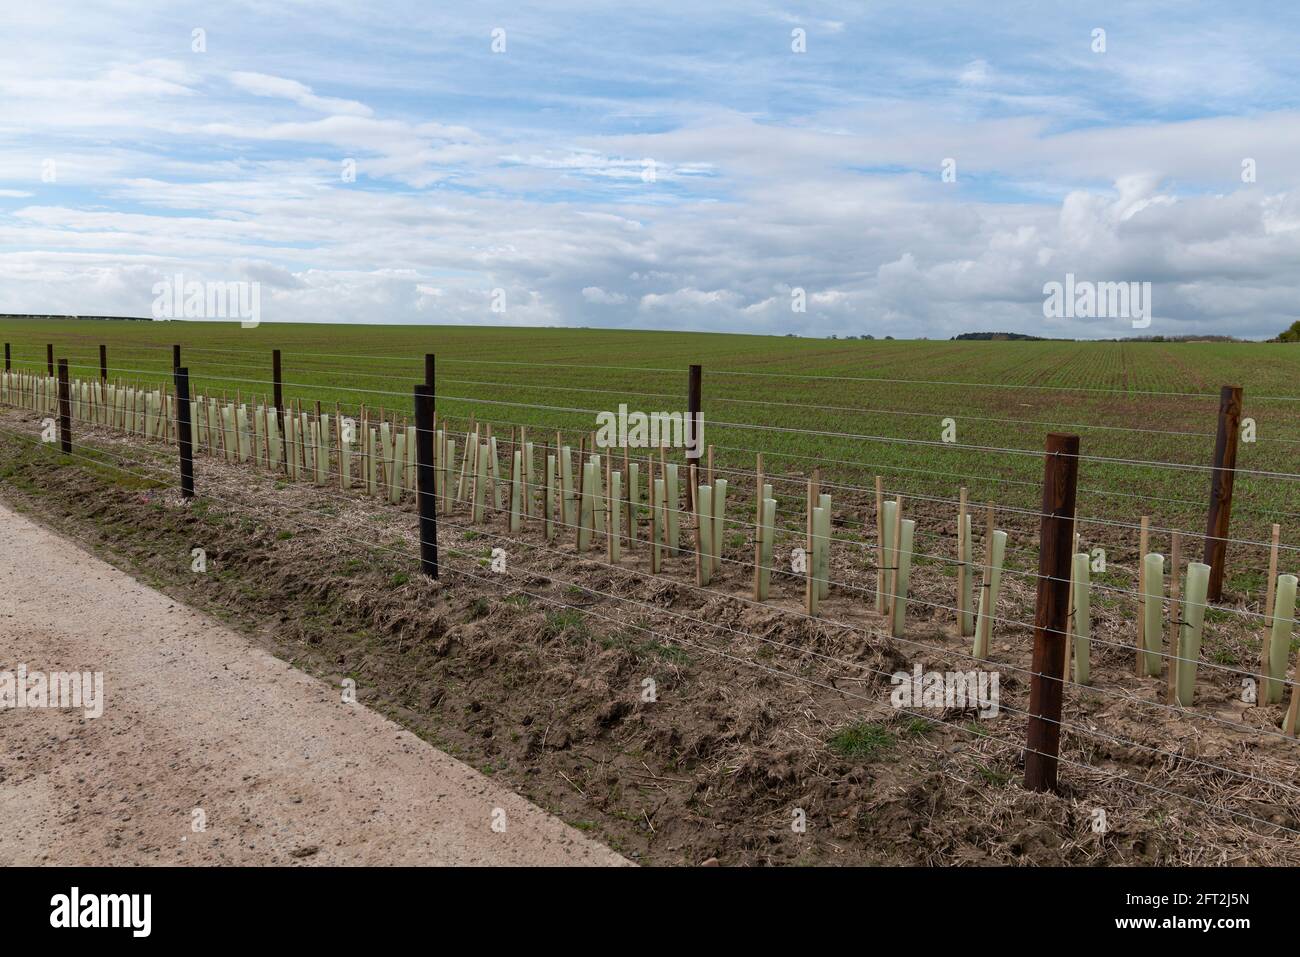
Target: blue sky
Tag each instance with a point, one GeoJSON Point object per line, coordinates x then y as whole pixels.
{"type": "Point", "coordinates": [656, 165]}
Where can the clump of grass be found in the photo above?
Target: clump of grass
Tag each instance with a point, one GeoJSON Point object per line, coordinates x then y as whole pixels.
{"type": "Point", "coordinates": [479, 608]}
{"type": "Point", "coordinates": [565, 621]}
{"type": "Point", "coordinates": [283, 536]}
{"type": "Point", "coordinates": [996, 778]}
{"type": "Point", "coordinates": [399, 579]}
{"type": "Point", "coordinates": [915, 727]}
{"type": "Point", "coordinates": [863, 740]}
{"type": "Point", "coordinates": [666, 652]}
{"type": "Point", "coordinates": [1223, 655]}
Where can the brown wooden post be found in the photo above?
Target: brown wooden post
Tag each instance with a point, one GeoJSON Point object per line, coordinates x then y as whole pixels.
{"type": "Point", "coordinates": [1225, 464]}
{"type": "Point", "coordinates": [103, 363]}
{"type": "Point", "coordinates": [1043, 739]}
{"type": "Point", "coordinates": [65, 409]}
{"type": "Point", "coordinates": [176, 358]}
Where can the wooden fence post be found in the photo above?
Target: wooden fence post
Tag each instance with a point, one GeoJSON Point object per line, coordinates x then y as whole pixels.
{"type": "Point", "coordinates": [8, 362]}
{"type": "Point", "coordinates": [183, 434]}
{"type": "Point", "coordinates": [49, 359]}
{"type": "Point", "coordinates": [428, 504]}
{"type": "Point", "coordinates": [1043, 739]}
{"type": "Point", "coordinates": [65, 409]}
{"type": "Point", "coordinates": [103, 362]}
{"type": "Point", "coordinates": [1225, 464]}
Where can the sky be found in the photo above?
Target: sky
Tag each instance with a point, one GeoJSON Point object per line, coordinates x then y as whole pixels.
{"type": "Point", "coordinates": [905, 169]}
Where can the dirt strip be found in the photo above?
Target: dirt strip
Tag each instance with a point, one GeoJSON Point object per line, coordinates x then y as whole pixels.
{"type": "Point", "coordinates": [200, 727]}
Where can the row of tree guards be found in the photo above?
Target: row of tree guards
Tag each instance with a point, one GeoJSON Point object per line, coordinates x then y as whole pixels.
{"type": "Point", "coordinates": [605, 494]}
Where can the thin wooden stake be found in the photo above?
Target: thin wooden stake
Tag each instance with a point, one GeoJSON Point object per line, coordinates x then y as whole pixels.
{"type": "Point", "coordinates": [961, 559]}
{"type": "Point", "coordinates": [984, 627]}
{"type": "Point", "coordinates": [880, 545]}
{"type": "Point", "coordinates": [758, 527]}
{"type": "Point", "coordinates": [1265, 660]}
{"type": "Point", "coordinates": [1175, 611]}
{"type": "Point", "coordinates": [1144, 540]}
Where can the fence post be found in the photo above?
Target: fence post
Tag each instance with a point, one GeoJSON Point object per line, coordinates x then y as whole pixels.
{"type": "Point", "coordinates": [278, 387]}
{"type": "Point", "coordinates": [103, 363]}
{"type": "Point", "coordinates": [65, 409]}
{"type": "Point", "coordinates": [183, 434]}
{"type": "Point", "coordinates": [427, 494]}
{"type": "Point", "coordinates": [428, 369]}
{"type": "Point", "coordinates": [8, 363]}
{"type": "Point", "coordinates": [694, 434]}
{"type": "Point", "coordinates": [49, 358]}
{"type": "Point", "coordinates": [1225, 464]}
{"type": "Point", "coordinates": [1043, 739]}
{"type": "Point", "coordinates": [176, 358]}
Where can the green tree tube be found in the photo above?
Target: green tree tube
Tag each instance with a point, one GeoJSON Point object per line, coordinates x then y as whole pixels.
{"type": "Point", "coordinates": [323, 450]}
{"type": "Point", "coordinates": [494, 467]}
{"type": "Point", "coordinates": [888, 513]}
{"type": "Point", "coordinates": [597, 495]}
{"type": "Point", "coordinates": [550, 497]}
{"type": "Point", "coordinates": [615, 515]}
{"type": "Point", "coordinates": [395, 475]}
{"type": "Point", "coordinates": [449, 480]}
{"type": "Point", "coordinates": [719, 522]}
{"type": "Point", "coordinates": [566, 488]}
{"type": "Point", "coordinates": [906, 536]}
{"type": "Point", "coordinates": [1153, 587]}
{"type": "Point", "coordinates": [516, 500]}
{"type": "Point", "coordinates": [673, 504]}
{"type": "Point", "coordinates": [824, 547]}
{"type": "Point", "coordinates": [345, 457]}
{"type": "Point", "coordinates": [968, 585]}
{"type": "Point", "coordinates": [765, 562]}
{"type": "Point", "coordinates": [529, 479]}
{"type": "Point", "coordinates": [1082, 620]}
{"type": "Point", "coordinates": [584, 508]}
{"type": "Point", "coordinates": [657, 520]}
{"type": "Point", "coordinates": [989, 597]}
{"type": "Point", "coordinates": [814, 556]}
{"type": "Point", "coordinates": [1189, 644]}
{"type": "Point", "coordinates": [1279, 646]}
{"type": "Point", "coordinates": [412, 455]}
{"type": "Point", "coordinates": [704, 502]}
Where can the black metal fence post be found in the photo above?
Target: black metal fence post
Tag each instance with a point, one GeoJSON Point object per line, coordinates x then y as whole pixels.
{"type": "Point", "coordinates": [65, 409]}
{"type": "Point", "coordinates": [424, 480]}
{"type": "Point", "coordinates": [183, 434]}
{"type": "Point", "coordinates": [277, 387]}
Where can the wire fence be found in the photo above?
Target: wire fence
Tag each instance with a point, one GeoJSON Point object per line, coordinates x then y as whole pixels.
{"type": "Point", "coordinates": [599, 521]}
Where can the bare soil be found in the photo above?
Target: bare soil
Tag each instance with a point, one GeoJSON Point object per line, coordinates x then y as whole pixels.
{"type": "Point", "coordinates": [536, 677]}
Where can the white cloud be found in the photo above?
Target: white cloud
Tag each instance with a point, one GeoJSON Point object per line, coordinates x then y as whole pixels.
{"type": "Point", "coordinates": [600, 297]}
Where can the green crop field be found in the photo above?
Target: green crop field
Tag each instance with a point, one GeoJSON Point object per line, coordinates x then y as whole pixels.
{"type": "Point", "coordinates": [853, 408]}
